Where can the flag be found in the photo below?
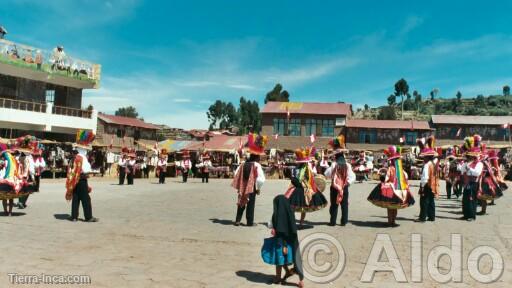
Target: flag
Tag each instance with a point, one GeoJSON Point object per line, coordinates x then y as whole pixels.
{"type": "Point", "coordinates": [458, 132]}
{"type": "Point", "coordinates": [275, 136]}
{"type": "Point", "coordinates": [287, 113]}
{"type": "Point", "coordinates": [401, 139]}
{"type": "Point", "coordinates": [505, 126]}
{"type": "Point", "coordinates": [241, 144]}
{"type": "Point", "coordinates": [312, 138]}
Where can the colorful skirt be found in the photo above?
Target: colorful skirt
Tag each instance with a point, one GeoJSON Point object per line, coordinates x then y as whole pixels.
{"type": "Point", "coordinates": [383, 196]}
{"type": "Point", "coordinates": [272, 251]}
{"type": "Point", "coordinates": [299, 204]}
{"type": "Point", "coordinates": [7, 191]}
{"type": "Point", "coordinates": [491, 189]}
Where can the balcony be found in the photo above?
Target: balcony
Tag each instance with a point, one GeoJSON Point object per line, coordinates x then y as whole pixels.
{"type": "Point", "coordinates": [23, 61]}
{"type": "Point", "coordinates": [24, 115]}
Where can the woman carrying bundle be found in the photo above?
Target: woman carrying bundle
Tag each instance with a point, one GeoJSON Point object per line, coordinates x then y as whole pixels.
{"type": "Point", "coordinates": [393, 192]}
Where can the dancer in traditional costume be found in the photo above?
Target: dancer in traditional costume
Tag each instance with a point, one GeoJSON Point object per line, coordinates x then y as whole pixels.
{"type": "Point", "coordinates": [491, 184]}
{"type": "Point", "coordinates": [303, 192]}
{"type": "Point", "coordinates": [161, 166]}
{"type": "Point", "coordinates": [185, 165]}
{"type": "Point", "coordinates": [429, 183]}
{"type": "Point", "coordinates": [24, 146]}
{"type": "Point", "coordinates": [342, 177]}
{"type": "Point", "coordinates": [131, 165]}
{"type": "Point", "coordinates": [205, 166]}
{"type": "Point", "coordinates": [12, 185]}
{"type": "Point", "coordinates": [39, 166]}
{"type": "Point", "coordinates": [471, 173]}
{"type": "Point", "coordinates": [121, 166]}
{"type": "Point", "coordinates": [393, 192]}
{"type": "Point", "coordinates": [249, 178]}
{"type": "Point", "coordinates": [77, 187]}
{"type": "Point", "coordinates": [451, 173]}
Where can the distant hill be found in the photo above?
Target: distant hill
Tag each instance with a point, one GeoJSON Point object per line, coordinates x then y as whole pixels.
{"type": "Point", "coordinates": [494, 105]}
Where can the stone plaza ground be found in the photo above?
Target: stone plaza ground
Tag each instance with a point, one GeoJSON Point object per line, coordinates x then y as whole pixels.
{"type": "Point", "coordinates": [182, 235]}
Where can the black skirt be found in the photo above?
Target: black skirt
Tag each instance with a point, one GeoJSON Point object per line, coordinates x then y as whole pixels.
{"type": "Point", "coordinates": [388, 199]}
{"type": "Point", "coordinates": [298, 201]}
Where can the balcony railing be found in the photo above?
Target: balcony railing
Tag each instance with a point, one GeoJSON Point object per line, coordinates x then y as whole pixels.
{"type": "Point", "coordinates": [42, 108]}
{"type": "Point", "coordinates": [22, 105]}
{"type": "Point", "coordinates": [51, 62]}
{"type": "Point", "coordinates": [59, 110]}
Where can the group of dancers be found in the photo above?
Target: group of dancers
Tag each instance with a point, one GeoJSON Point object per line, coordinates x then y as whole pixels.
{"type": "Point", "coordinates": [474, 171]}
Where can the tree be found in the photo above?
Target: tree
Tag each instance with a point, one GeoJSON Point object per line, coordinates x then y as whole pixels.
{"type": "Point", "coordinates": [277, 94]}
{"type": "Point", "coordinates": [401, 89]}
{"type": "Point", "coordinates": [480, 101]}
{"type": "Point", "coordinates": [129, 111]}
{"type": "Point", "coordinates": [417, 99]}
{"type": "Point", "coordinates": [215, 113]}
{"type": "Point", "coordinates": [506, 90]}
{"type": "Point", "coordinates": [433, 93]}
{"type": "Point", "coordinates": [391, 100]}
{"type": "Point", "coordinates": [387, 113]}
{"type": "Point", "coordinates": [366, 107]}
{"type": "Point", "coordinates": [249, 116]}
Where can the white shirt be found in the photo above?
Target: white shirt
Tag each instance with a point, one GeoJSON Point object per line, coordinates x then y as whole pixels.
{"type": "Point", "coordinates": [122, 162]}
{"type": "Point", "coordinates": [425, 173]}
{"type": "Point", "coordinates": [260, 179]}
{"type": "Point", "coordinates": [475, 172]}
{"type": "Point", "coordinates": [351, 177]}
{"type": "Point", "coordinates": [162, 162]}
{"type": "Point", "coordinates": [86, 166]}
{"type": "Point", "coordinates": [131, 162]}
{"type": "Point", "coordinates": [324, 164]}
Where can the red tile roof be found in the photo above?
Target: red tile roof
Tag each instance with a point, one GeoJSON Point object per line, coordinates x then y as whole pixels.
{"type": "Point", "coordinates": [219, 143]}
{"type": "Point", "coordinates": [471, 120]}
{"type": "Point", "coordinates": [126, 121]}
{"type": "Point", "coordinates": [388, 124]}
{"type": "Point", "coordinates": [308, 108]}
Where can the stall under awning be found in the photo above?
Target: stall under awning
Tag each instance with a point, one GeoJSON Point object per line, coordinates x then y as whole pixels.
{"type": "Point", "coordinates": [219, 143]}
{"type": "Point", "coordinates": [175, 145]}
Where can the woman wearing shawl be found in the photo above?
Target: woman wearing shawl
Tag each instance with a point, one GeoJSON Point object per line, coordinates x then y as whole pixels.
{"type": "Point", "coordinates": [342, 176]}
{"type": "Point", "coordinates": [491, 183]}
{"type": "Point", "coordinates": [393, 192]}
{"type": "Point", "coordinates": [303, 193]}
{"type": "Point", "coordinates": [471, 173]}
{"type": "Point", "coordinates": [285, 242]}
{"type": "Point", "coordinates": [249, 178]}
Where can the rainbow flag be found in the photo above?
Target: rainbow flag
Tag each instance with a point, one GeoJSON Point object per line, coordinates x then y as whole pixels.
{"type": "Point", "coordinates": [401, 181]}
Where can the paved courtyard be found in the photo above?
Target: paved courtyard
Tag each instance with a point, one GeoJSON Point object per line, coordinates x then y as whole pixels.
{"type": "Point", "coordinates": [181, 235]}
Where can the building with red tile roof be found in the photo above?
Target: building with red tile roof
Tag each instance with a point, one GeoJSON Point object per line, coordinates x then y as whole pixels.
{"type": "Point", "coordinates": [119, 131]}
{"type": "Point", "coordinates": [397, 132]}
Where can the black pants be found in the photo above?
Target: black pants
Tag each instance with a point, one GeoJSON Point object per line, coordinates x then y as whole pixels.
{"type": "Point", "coordinates": [205, 176]}
{"type": "Point", "coordinates": [161, 177]}
{"type": "Point", "coordinates": [333, 210]}
{"type": "Point", "coordinates": [122, 175]}
{"type": "Point", "coordinates": [427, 205]}
{"type": "Point", "coordinates": [80, 194]}
{"type": "Point", "coordinates": [457, 188]}
{"type": "Point", "coordinates": [449, 187]}
{"type": "Point", "coordinates": [249, 215]}
{"type": "Point", "coordinates": [129, 178]}
{"type": "Point", "coordinates": [185, 175]}
{"type": "Point", "coordinates": [37, 181]}
{"type": "Point", "coordinates": [23, 200]}
{"type": "Point", "coordinates": [469, 200]}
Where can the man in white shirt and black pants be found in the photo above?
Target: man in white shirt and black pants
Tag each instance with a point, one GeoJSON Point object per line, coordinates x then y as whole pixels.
{"type": "Point", "coordinates": [81, 190]}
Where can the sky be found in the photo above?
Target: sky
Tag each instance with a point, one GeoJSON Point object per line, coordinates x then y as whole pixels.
{"type": "Point", "coordinates": [173, 59]}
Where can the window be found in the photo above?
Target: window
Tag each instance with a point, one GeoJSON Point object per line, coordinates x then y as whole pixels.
{"type": "Point", "coordinates": [368, 136]}
{"type": "Point", "coordinates": [328, 128]}
{"type": "Point", "coordinates": [50, 96]}
{"type": "Point", "coordinates": [279, 126]}
{"type": "Point", "coordinates": [294, 127]}
{"type": "Point", "coordinates": [410, 138]}
{"type": "Point", "coordinates": [340, 122]}
{"type": "Point", "coordinates": [311, 127]}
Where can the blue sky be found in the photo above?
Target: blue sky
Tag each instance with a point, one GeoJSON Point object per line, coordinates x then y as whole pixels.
{"type": "Point", "coordinates": [172, 59]}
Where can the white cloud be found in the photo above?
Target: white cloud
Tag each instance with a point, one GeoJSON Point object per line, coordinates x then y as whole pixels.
{"type": "Point", "coordinates": [410, 24]}
{"type": "Point", "coordinates": [182, 100]}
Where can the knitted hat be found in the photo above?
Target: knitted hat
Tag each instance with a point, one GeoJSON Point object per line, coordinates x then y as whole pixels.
{"type": "Point", "coordinates": [473, 145]}
{"type": "Point", "coordinates": [256, 144]}
{"type": "Point", "coordinates": [338, 144]}
{"type": "Point", "coordinates": [393, 152]}
{"type": "Point", "coordinates": [427, 146]}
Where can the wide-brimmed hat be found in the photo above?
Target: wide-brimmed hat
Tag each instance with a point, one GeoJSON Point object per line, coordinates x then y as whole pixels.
{"type": "Point", "coordinates": [25, 144]}
{"type": "Point", "coordinates": [450, 153]}
{"type": "Point", "coordinates": [393, 152]}
{"type": "Point", "coordinates": [338, 145]}
{"type": "Point", "coordinates": [163, 152]}
{"type": "Point", "coordinates": [427, 147]}
{"type": "Point", "coordinates": [256, 144]}
{"type": "Point", "coordinates": [473, 146]}
{"type": "Point", "coordinates": [206, 156]}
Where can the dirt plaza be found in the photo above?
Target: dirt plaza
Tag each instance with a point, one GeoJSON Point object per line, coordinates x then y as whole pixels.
{"type": "Point", "coordinates": [182, 235]}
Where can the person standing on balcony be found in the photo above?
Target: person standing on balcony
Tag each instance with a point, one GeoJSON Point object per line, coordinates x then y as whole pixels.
{"type": "Point", "coordinates": [58, 57]}
{"type": "Point", "coordinates": [121, 166]}
{"type": "Point", "coordinates": [39, 59]}
{"type": "Point", "coordinates": [3, 32]}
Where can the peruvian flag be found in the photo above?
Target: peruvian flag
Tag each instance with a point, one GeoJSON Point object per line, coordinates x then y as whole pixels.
{"type": "Point", "coordinates": [287, 113]}
{"type": "Point", "coordinates": [458, 132]}
{"type": "Point", "coordinates": [312, 138]}
{"type": "Point", "coordinates": [505, 126]}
